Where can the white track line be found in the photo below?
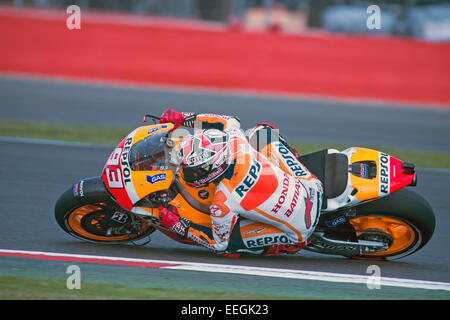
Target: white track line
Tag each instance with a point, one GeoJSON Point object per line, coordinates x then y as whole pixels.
{"type": "Point", "coordinates": [254, 271]}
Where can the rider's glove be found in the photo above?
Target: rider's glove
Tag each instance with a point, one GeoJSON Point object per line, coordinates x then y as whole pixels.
{"type": "Point", "coordinates": [173, 116]}
{"type": "Point", "coordinates": [172, 221]}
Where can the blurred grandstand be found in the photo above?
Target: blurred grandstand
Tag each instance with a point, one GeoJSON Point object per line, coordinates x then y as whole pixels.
{"type": "Point", "coordinates": [423, 19]}
{"type": "Point", "coordinates": [317, 48]}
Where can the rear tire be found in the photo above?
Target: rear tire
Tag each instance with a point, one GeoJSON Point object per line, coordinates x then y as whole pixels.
{"type": "Point", "coordinates": [404, 215]}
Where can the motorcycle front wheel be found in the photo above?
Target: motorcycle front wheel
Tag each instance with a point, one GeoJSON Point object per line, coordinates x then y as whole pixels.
{"type": "Point", "coordinates": [98, 219]}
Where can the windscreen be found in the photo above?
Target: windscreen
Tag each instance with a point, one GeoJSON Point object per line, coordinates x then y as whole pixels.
{"type": "Point", "coordinates": [149, 153]}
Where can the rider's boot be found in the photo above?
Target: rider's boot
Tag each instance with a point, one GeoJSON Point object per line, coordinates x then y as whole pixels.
{"type": "Point", "coordinates": [276, 249]}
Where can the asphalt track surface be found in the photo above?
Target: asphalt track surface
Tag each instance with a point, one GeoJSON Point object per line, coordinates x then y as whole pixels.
{"type": "Point", "coordinates": [359, 124]}
{"type": "Point", "coordinates": [35, 174]}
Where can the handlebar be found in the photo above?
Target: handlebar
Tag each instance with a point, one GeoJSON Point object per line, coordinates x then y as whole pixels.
{"type": "Point", "coordinates": [150, 116]}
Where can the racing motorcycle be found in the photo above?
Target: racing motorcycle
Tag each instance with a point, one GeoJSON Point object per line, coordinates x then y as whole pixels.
{"type": "Point", "coordinates": [367, 212]}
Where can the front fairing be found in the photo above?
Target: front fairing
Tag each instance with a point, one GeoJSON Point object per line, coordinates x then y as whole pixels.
{"type": "Point", "coordinates": [138, 165]}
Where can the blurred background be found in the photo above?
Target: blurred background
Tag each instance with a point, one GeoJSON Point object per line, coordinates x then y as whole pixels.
{"type": "Point", "coordinates": [326, 49]}
{"type": "Point", "coordinates": [424, 19]}
{"type": "Point", "coordinates": [394, 51]}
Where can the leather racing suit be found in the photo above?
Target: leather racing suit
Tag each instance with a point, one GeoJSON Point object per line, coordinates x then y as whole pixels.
{"type": "Point", "coordinates": [265, 184]}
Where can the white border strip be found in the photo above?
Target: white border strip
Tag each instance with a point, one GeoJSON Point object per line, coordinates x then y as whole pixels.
{"type": "Point", "coordinates": [315, 275]}
{"type": "Point", "coordinates": [259, 271]}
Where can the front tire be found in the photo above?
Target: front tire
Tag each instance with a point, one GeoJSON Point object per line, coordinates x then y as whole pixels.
{"type": "Point", "coordinates": [88, 218]}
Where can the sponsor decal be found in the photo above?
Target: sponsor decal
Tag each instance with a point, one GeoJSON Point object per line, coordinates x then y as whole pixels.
{"type": "Point", "coordinates": [152, 130]}
{"type": "Point", "coordinates": [364, 170]}
{"type": "Point", "coordinates": [126, 172]}
{"type": "Point", "coordinates": [198, 159]}
{"type": "Point", "coordinates": [335, 222]}
{"type": "Point", "coordinates": [383, 173]}
{"type": "Point", "coordinates": [318, 207]}
{"type": "Point", "coordinates": [324, 245]}
{"type": "Point", "coordinates": [282, 199]}
{"type": "Point", "coordinates": [156, 178]}
{"type": "Point", "coordinates": [283, 195]}
{"type": "Point", "coordinates": [249, 180]}
{"type": "Point", "coordinates": [78, 189]}
{"type": "Point", "coordinates": [203, 194]}
{"type": "Point", "coordinates": [267, 241]}
{"type": "Point", "coordinates": [291, 161]}
{"type": "Point", "coordinates": [119, 217]}
{"type": "Point", "coordinates": [210, 177]}
{"type": "Point", "coordinates": [294, 202]}
{"type": "Point", "coordinates": [258, 231]}
{"type": "Point", "coordinates": [308, 207]}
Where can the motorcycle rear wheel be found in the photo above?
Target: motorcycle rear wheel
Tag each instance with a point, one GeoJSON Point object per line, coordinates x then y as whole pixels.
{"type": "Point", "coordinates": [404, 217]}
{"type": "Point", "coordinates": [87, 219]}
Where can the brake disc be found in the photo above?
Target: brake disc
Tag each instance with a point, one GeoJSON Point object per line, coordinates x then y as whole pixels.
{"type": "Point", "coordinates": [375, 234]}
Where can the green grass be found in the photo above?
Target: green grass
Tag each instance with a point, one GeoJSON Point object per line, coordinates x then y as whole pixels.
{"type": "Point", "coordinates": [99, 134]}
{"type": "Point", "coordinates": [18, 288]}
{"type": "Point", "coordinates": [113, 135]}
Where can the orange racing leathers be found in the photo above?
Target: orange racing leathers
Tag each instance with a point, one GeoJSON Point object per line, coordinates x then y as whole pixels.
{"type": "Point", "coordinates": [269, 187]}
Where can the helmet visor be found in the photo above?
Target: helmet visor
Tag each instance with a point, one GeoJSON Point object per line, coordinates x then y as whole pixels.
{"type": "Point", "coordinates": [199, 177]}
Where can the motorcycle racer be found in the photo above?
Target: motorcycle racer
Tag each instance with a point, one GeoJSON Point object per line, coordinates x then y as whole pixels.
{"type": "Point", "coordinates": [258, 177]}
